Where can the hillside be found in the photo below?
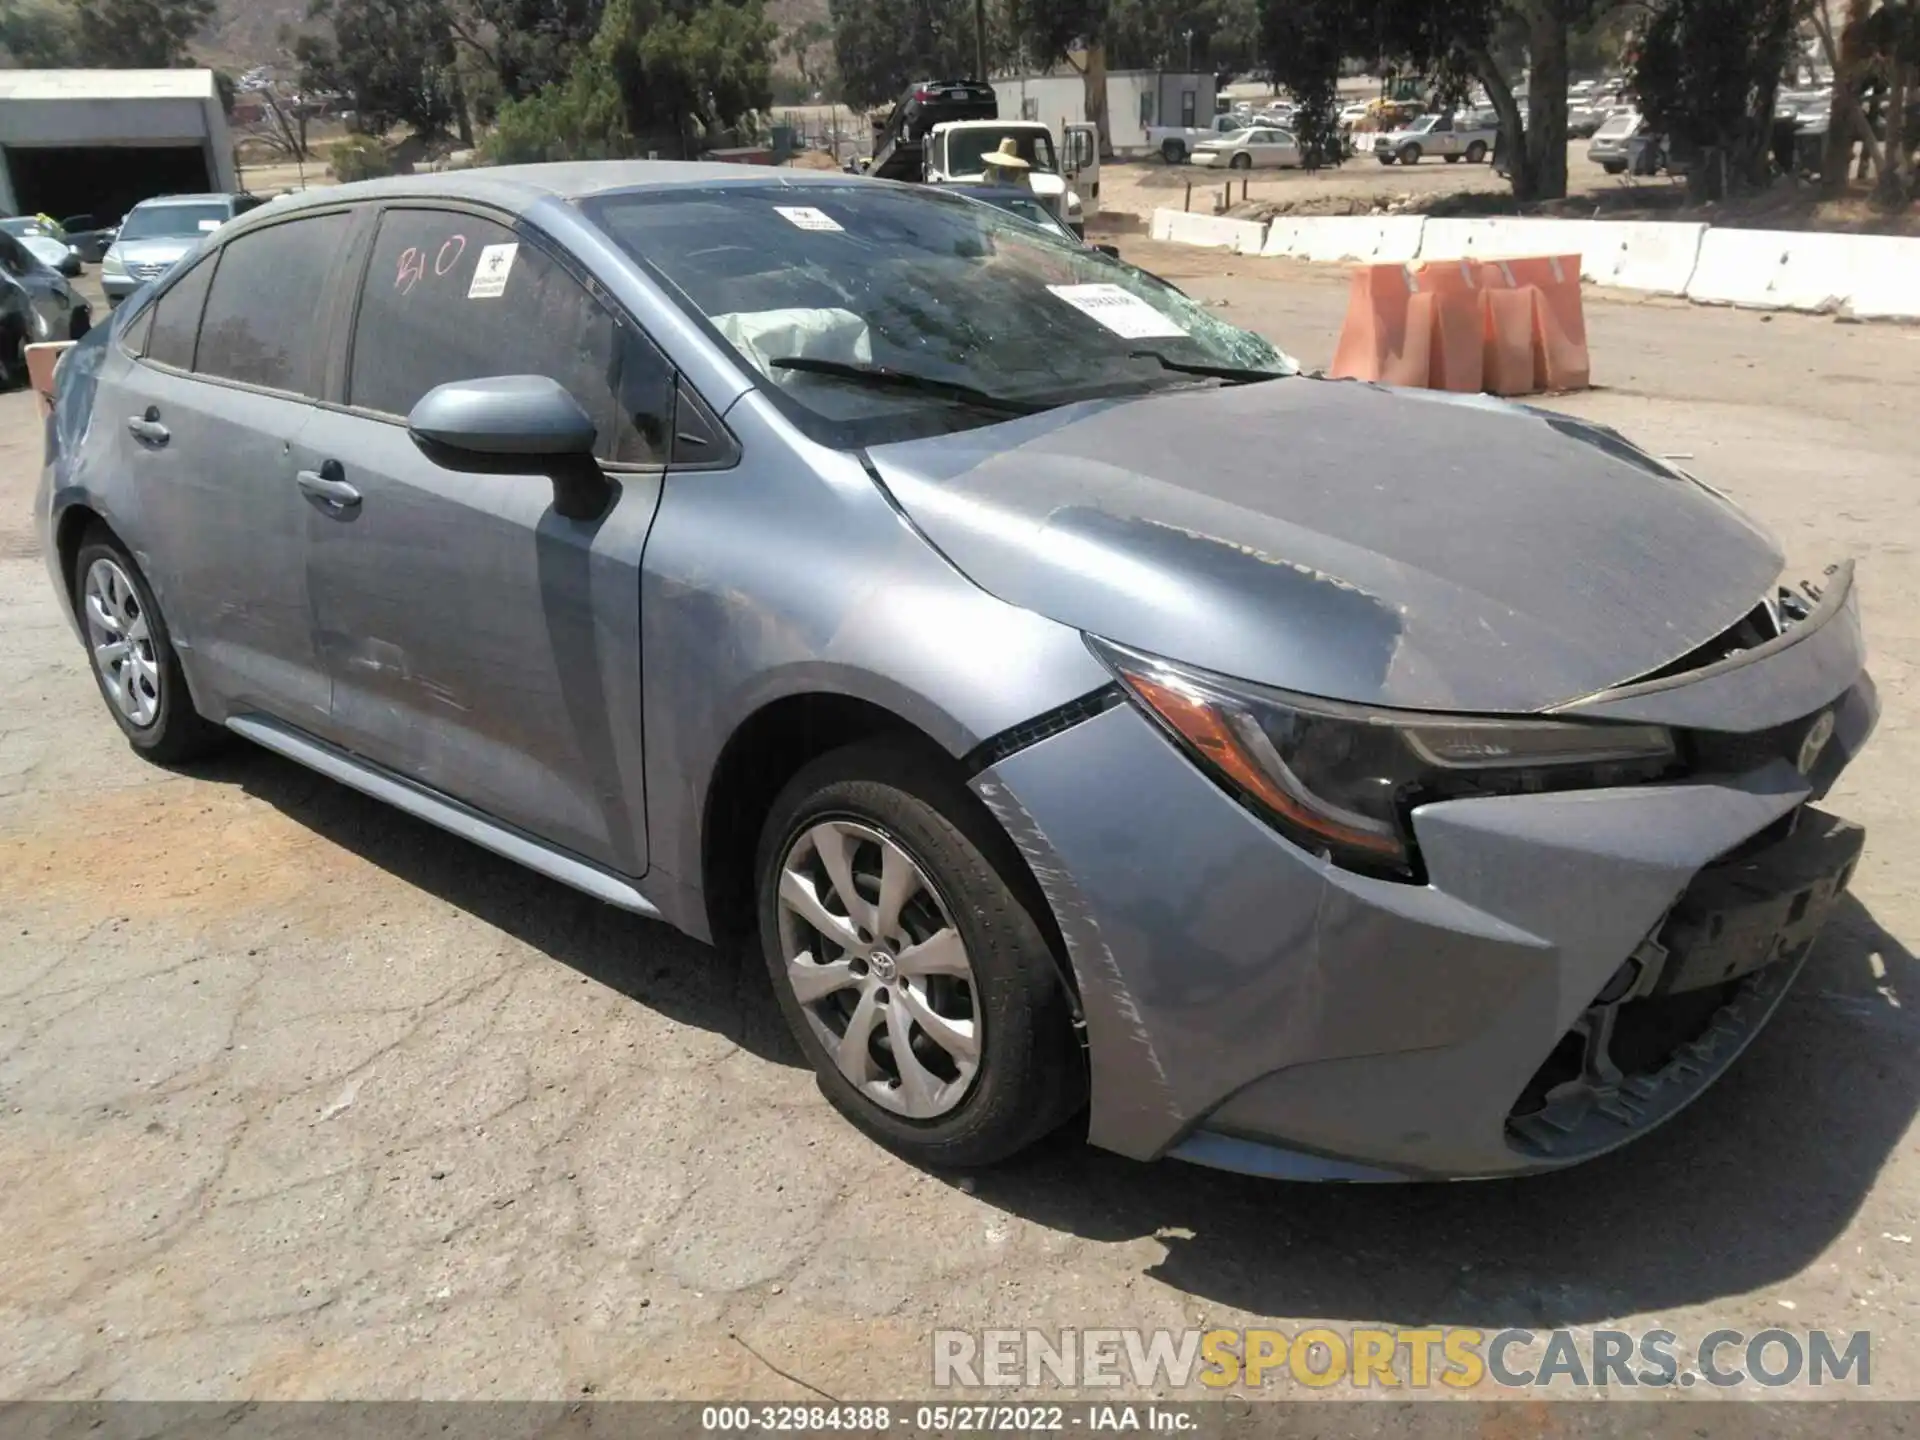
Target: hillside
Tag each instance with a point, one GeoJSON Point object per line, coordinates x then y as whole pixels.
{"type": "Point", "coordinates": [247, 32]}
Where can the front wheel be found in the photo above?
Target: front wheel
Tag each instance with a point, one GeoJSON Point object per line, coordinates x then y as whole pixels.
{"type": "Point", "coordinates": [1476, 152]}
{"type": "Point", "coordinates": [907, 962]}
{"type": "Point", "coordinates": [1409, 154]}
{"type": "Point", "coordinates": [1242, 161]}
{"type": "Point", "coordinates": [1174, 152]}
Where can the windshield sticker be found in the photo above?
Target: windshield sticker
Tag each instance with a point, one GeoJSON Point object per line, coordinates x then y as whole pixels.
{"type": "Point", "coordinates": [490, 271]}
{"type": "Point", "coordinates": [1121, 311]}
{"type": "Point", "coordinates": [805, 217]}
{"type": "Point", "coordinates": [207, 227]}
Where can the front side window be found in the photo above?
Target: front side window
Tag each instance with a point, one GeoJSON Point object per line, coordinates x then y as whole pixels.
{"type": "Point", "coordinates": [263, 321]}
{"type": "Point", "coordinates": [176, 317]}
{"type": "Point", "coordinates": [451, 296]}
{"type": "Point", "coordinates": [963, 298]}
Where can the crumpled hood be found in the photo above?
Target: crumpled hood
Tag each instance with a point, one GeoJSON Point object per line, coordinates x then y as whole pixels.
{"type": "Point", "coordinates": [1401, 548]}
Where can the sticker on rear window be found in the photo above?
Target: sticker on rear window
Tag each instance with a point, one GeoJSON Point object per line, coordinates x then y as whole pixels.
{"type": "Point", "coordinates": [490, 271]}
{"type": "Point", "coordinates": [805, 217]}
{"type": "Point", "coordinates": [1121, 311]}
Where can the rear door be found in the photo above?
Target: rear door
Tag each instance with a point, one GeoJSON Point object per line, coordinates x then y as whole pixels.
{"type": "Point", "coordinates": [234, 357]}
{"type": "Point", "coordinates": [479, 642]}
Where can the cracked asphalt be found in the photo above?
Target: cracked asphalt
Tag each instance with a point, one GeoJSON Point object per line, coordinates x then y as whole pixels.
{"type": "Point", "coordinates": [302, 1099]}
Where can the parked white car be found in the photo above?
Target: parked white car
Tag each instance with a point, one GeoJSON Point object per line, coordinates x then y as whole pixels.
{"type": "Point", "coordinates": [1441, 135]}
{"type": "Point", "coordinates": [1260, 146]}
{"type": "Point", "coordinates": [1176, 142]}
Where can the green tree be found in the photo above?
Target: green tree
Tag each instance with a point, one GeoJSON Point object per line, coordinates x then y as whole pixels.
{"type": "Point", "coordinates": [1707, 75]}
{"type": "Point", "coordinates": [882, 46]}
{"type": "Point", "coordinates": [526, 44]}
{"type": "Point", "coordinates": [137, 34]}
{"type": "Point", "coordinates": [36, 35]}
{"type": "Point", "coordinates": [394, 58]}
{"type": "Point", "coordinates": [659, 74]}
{"type": "Point", "coordinates": [1074, 32]}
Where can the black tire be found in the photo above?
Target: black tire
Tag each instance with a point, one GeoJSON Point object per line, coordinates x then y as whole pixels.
{"type": "Point", "coordinates": [177, 733]}
{"type": "Point", "coordinates": [1410, 154]}
{"type": "Point", "coordinates": [1614, 169]}
{"type": "Point", "coordinates": [1242, 161]}
{"type": "Point", "coordinates": [1476, 152]}
{"type": "Point", "coordinates": [1031, 1076]}
{"type": "Point", "coordinates": [1174, 152]}
{"type": "Point", "coordinates": [1386, 157]}
{"type": "Point", "coordinates": [1451, 159]}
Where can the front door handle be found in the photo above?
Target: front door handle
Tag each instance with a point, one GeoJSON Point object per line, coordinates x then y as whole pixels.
{"type": "Point", "coordinates": [327, 486]}
{"type": "Point", "coordinates": [147, 428]}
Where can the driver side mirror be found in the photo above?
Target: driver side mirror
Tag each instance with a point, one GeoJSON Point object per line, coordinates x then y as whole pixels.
{"type": "Point", "coordinates": [515, 424]}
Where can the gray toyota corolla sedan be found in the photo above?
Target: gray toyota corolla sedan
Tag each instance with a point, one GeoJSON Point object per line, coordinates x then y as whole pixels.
{"type": "Point", "coordinates": [1080, 709]}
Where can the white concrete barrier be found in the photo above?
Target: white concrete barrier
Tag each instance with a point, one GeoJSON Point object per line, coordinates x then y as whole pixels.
{"type": "Point", "coordinates": [1365, 239]}
{"type": "Point", "coordinates": [1886, 278]}
{"type": "Point", "coordinates": [1217, 232]}
{"type": "Point", "coordinates": [1773, 270]}
{"type": "Point", "coordinates": [1286, 238]}
{"type": "Point", "coordinates": [1455, 239]}
{"type": "Point", "coordinates": [1657, 256]}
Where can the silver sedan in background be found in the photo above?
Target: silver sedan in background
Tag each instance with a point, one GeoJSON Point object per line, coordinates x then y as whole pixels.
{"type": "Point", "coordinates": [1084, 716]}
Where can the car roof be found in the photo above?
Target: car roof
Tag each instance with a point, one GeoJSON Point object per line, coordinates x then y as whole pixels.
{"type": "Point", "coordinates": [517, 188]}
{"type": "Point", "coordinates": [158, 202]}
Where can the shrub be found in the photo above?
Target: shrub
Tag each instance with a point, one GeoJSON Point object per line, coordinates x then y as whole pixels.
{"type": "Point", "coordinates": [359, 157]}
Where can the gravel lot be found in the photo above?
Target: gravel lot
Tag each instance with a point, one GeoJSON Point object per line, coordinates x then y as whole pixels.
{"type": "Point", "coordinates": [299, 1098]}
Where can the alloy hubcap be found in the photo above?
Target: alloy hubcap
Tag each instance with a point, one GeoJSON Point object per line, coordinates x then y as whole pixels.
{"type": "Point", "coordinates": [122, 642]}
{"type": "Point", "coordinates": [879, 968]}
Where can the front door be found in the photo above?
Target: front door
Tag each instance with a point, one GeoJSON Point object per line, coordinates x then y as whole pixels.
{"type": "Point", "coordinates": [1083, 166]}
{"type": "Point", "coordinates": [479, 642]}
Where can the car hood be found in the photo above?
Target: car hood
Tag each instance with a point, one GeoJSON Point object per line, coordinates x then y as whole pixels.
{"type": "Point", "coordinates": [160, 250]}
{"type": "Point", "coordinates": [1402, 548]}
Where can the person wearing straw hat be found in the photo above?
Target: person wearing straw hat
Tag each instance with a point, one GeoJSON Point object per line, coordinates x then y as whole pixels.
{"type": "Point", "coordinates": [1005, 167]}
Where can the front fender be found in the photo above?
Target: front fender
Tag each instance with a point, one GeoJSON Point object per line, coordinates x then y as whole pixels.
{"type": "Point", "coordinates": [793, 574]}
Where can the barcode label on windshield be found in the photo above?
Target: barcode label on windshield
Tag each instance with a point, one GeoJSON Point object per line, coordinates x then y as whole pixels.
{"type": "Point", "coordinates": [1121, 311]}
{"type": "Point", "coordinates": [807, 218]}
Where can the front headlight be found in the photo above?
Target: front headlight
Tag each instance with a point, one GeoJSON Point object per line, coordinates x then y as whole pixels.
{"type": "Point", "coordinates": [1342, 780]}
{"type": "Point", "coordinates": [113, 265]}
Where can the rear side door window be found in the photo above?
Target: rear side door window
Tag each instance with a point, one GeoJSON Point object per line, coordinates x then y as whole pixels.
{"type": "Point", "coordinates": [176, 317]}
{"type": "Point", "coordinates": [265, 320]}
{"type": "Point", "coordinates": [454, 296]}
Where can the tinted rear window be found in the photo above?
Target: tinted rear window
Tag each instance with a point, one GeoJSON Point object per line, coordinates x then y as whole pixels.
{"type": "Point", "coordinates": [176, 317]}
{"type": "Point", "coordinates": [263, 319]}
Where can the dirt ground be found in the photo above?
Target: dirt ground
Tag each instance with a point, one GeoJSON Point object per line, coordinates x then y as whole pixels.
{"type": "Point", "coordinates": [300, 1098]}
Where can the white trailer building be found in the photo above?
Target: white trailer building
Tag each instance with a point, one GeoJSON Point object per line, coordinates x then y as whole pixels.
{"type": "Point", "coordinates": [1135, 100]}
{"type": "Point", "coordinates": [97, 142]}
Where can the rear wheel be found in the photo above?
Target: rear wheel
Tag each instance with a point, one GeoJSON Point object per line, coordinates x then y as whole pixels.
{"type": "Point", "coordinates": [1174, 152]}
{"type": "Point", "coordinates": [912, 972]}
{"type": "Point", "coordinates": [1476, 152]}
{"type": "Point", "coordinates": [134, 662]}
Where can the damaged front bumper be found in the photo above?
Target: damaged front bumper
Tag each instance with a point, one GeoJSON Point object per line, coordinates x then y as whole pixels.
{"type": "Point", "coordinates": [1576, 969]}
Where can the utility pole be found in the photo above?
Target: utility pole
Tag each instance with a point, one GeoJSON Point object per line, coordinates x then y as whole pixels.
{"type": "Point", "coordinates": [980, 38]}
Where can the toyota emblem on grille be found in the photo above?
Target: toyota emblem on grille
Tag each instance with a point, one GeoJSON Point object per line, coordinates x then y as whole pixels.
{"type": "Point", "coordinates": [1818, 734]}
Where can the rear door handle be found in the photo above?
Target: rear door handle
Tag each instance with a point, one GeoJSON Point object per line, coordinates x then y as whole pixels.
{"type": "Point", "coordinates": [326, 486]}
{"type": "Point", "coordinates": [147, 428]}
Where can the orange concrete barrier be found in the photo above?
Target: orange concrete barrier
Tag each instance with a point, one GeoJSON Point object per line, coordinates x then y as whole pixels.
{"type": "Point", "coordinates": [1511, 327]}
{"type": "Point", "coordinates": [1388, 335]}
{"type": "Point", "coordinates": [41, 362]}
{"type": "Point", "coordinates": [1561, 360]}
